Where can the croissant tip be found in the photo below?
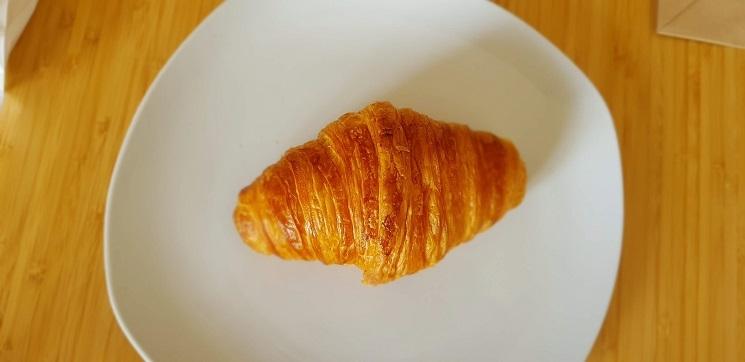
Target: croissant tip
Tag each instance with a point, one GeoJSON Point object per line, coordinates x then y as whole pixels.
{"type": "Point", "coordinates": [520, 179]}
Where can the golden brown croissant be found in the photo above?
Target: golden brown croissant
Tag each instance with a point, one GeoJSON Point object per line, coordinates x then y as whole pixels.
{"type": "Point", "coordinates": [390, 191]}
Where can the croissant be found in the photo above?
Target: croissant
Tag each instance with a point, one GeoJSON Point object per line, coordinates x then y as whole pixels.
{"type": "Point", "coordinates": [388, 190]}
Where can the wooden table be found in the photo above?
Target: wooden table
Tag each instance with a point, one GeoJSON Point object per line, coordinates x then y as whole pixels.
{"type": "Point", "coordinates": [81, 68]}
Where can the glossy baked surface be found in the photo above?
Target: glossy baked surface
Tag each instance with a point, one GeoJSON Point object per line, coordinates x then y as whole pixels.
{"type": "Point", "coordinates": [391, 191]}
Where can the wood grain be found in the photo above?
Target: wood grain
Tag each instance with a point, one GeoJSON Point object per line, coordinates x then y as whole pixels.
{"type": "Point", "coordinates": [679, 108]}
{"type": "Point", "coordinates": [75, 79]}
{"type": "Point", "coordinates": [81, 68]}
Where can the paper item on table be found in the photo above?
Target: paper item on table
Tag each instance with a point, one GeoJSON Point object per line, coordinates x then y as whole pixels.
{"type": "Point", "coordinates": [715, 21]}
{"type": "Point", "coordinates": [14, 14]}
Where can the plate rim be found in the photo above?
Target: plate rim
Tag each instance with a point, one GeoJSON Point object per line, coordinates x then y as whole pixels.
{"type": "Point", "coordinates": [113, 180]}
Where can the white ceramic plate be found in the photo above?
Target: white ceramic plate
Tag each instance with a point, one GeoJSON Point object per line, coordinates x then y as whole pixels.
{"type": "Point", "coordinates": [261, 76]}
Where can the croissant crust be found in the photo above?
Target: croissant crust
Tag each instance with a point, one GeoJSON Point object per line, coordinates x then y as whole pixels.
{"type": "Point", "coordinates": [388, 190]}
